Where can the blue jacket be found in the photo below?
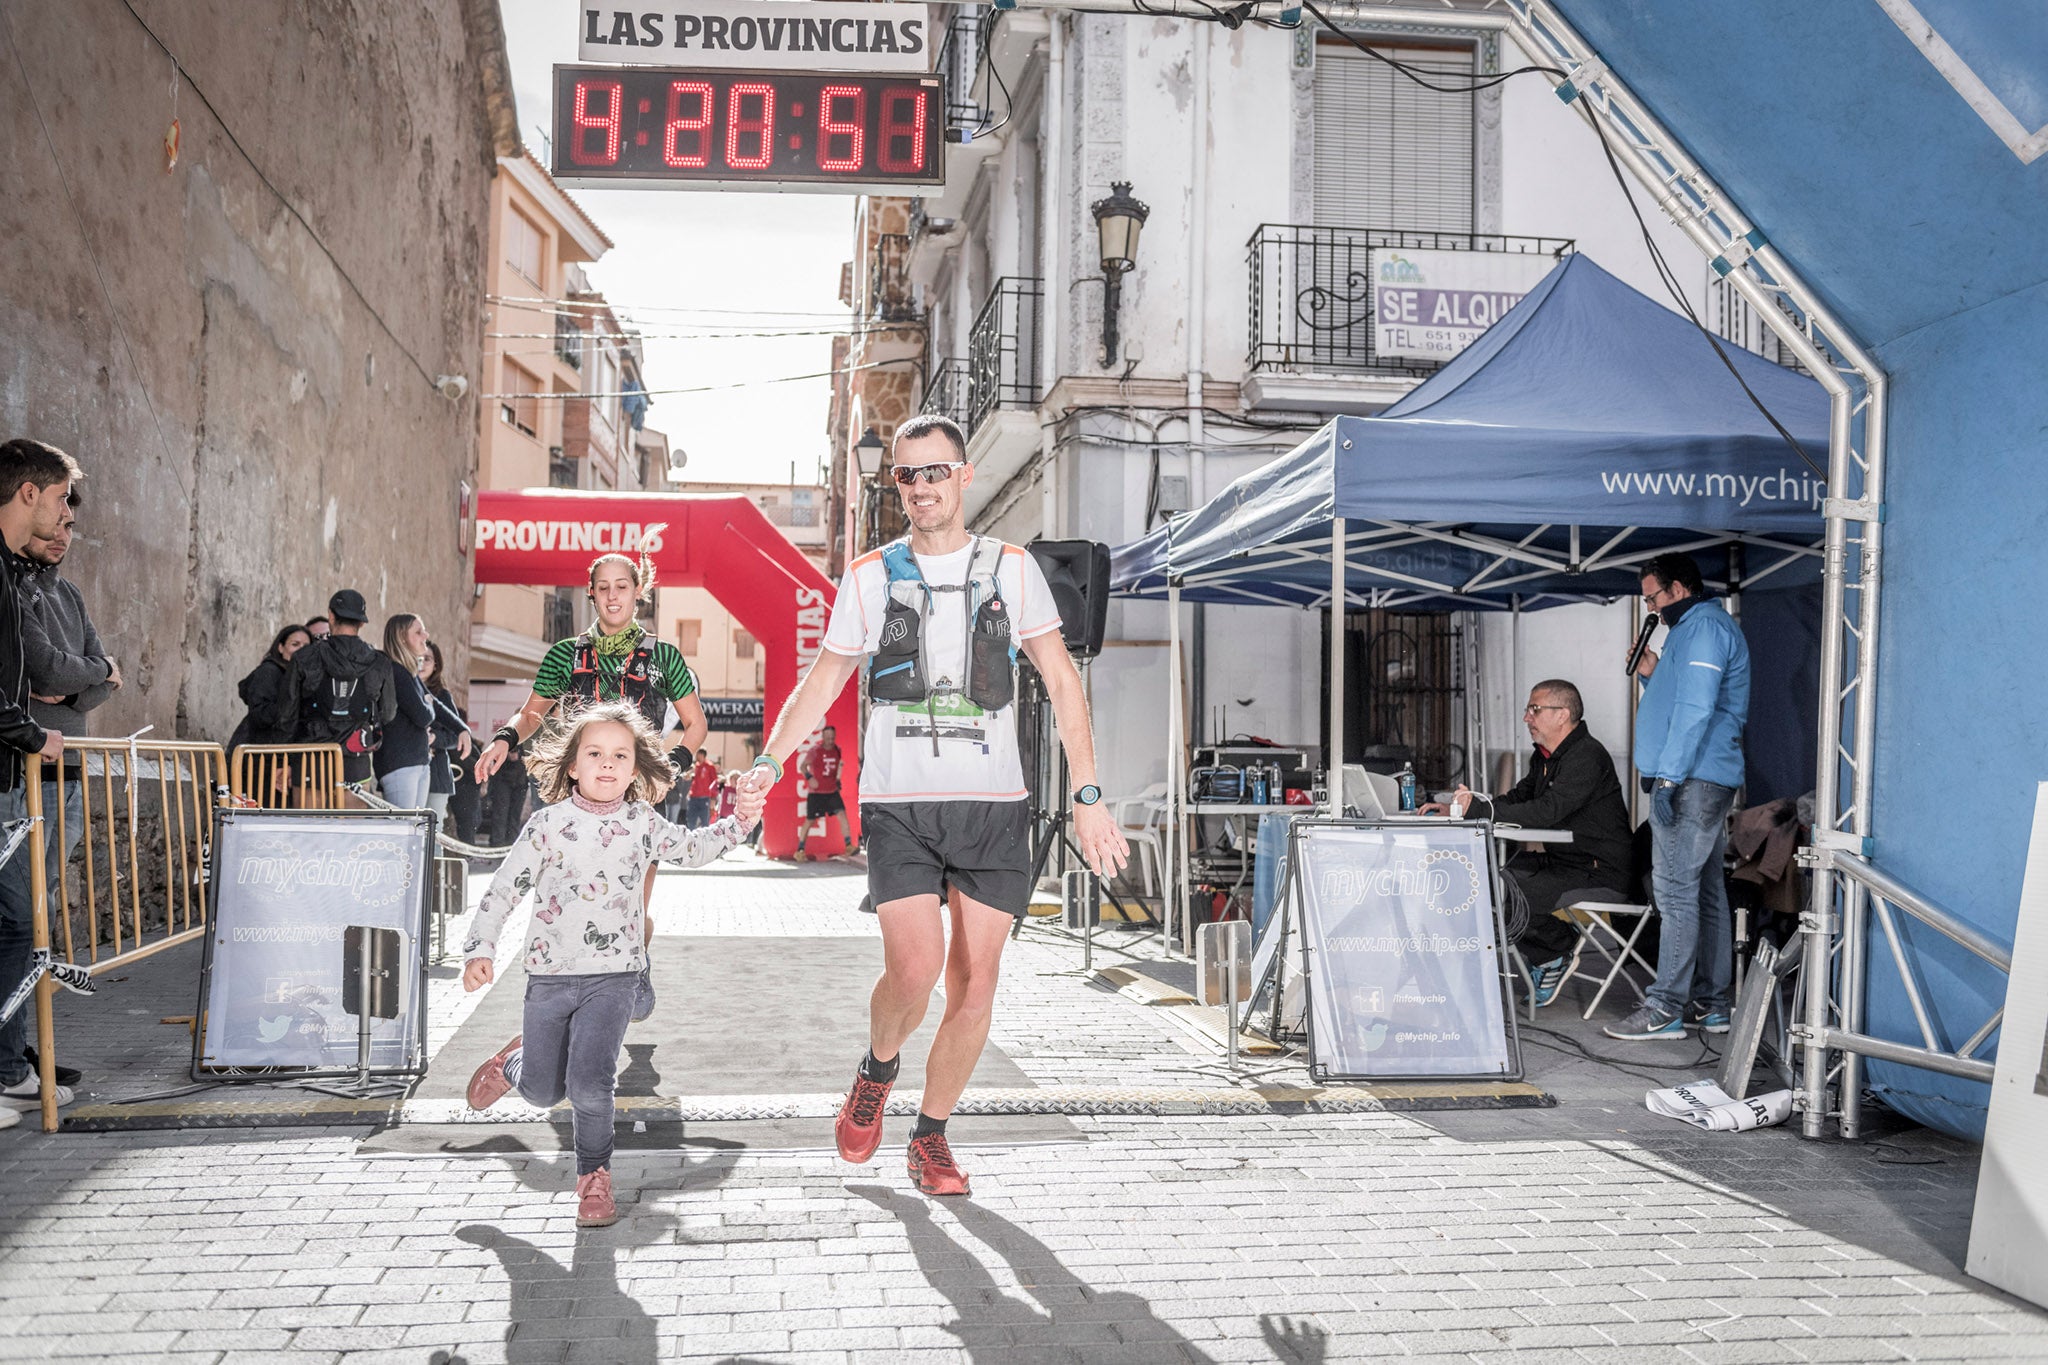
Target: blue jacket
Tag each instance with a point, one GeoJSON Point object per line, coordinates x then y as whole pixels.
{"type": "Point", "coordinates": [1695, 705]}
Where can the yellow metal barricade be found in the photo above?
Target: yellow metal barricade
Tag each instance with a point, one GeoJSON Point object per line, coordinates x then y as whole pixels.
{"type": "Point", "coordinates": [145, 812]}
{"type": "Point", "coordinates": [301, 776]}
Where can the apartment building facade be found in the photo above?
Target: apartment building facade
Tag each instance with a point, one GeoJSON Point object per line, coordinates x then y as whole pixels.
{"type": "Point", "coordinates": [565, 407]}
{"type": "Point", "coordinates": [1273, 163]}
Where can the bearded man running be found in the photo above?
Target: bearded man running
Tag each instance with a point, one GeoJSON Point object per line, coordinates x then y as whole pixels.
{"type": "Point", "coordinates": [942, 613]}
{"type": "Point", "coordinates": [615, 660]}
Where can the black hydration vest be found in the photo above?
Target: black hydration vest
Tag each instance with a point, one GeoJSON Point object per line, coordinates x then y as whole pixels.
{"type": "Point", "coordinates": [636, 680]}
{"type": "Point", "coordinates": [898, 672]}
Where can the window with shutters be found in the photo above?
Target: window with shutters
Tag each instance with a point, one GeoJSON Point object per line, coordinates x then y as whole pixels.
{"type": "Point", "coordinates": [689, 634]}
{"type": "Point", "coordinates": [742, 645]}
{"type": "Point", "coordinates": [523, 239]}
{"type": "Point", "coordinates": [1389, 153]}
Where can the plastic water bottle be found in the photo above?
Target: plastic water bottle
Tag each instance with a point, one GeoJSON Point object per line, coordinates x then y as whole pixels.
{"type": "Point", "coordinates": [1408, 787]}
{"type": "Point", "coordinates": [1258, 786]}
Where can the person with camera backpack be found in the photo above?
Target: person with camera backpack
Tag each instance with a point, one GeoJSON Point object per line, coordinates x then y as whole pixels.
{"type": "Point", "coordinates": [340, 689]}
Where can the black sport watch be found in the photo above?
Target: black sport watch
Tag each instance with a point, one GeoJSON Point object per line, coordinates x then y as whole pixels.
{"type": "Point", "coordinates": [1088, 795]}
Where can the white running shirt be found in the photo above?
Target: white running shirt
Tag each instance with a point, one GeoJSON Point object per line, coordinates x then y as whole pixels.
{"type": "Point", "coordinates": [977, 758]}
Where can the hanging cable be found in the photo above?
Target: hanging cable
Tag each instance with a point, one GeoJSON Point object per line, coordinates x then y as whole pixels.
{"type": "Point", "coordinates": [704, 388]}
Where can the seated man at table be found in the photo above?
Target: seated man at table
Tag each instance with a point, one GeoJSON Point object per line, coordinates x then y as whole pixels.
{"type": "Point", "coordinates": [1571, 786]}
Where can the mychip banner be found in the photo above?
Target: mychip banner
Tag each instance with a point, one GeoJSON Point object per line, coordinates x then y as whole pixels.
{"type": "Point", "coordinates": [1404, 952]}
{"type": "Point", "coordinates": [288, 886]}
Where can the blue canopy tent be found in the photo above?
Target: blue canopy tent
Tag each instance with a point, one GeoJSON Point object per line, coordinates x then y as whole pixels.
{"type": "Point", "coordinates": [1588, 430]}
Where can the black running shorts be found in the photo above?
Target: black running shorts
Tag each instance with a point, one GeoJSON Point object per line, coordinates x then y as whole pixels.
{"type": "Point", "coordinates": [823, 805]}
{"type": "Point", "coordinates": [919, 848]}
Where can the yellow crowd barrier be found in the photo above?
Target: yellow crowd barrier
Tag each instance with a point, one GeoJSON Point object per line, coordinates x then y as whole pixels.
{"type": "Point", "coordinates": [115, 920]}
{"type": "Point", "coordinates": [302, 776]}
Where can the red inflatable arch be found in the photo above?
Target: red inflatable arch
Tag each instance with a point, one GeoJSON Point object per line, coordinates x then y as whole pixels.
{"type": "Point", "coordinates": [719, 542]}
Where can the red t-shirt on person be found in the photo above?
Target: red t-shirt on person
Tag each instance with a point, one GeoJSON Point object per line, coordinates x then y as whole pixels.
{"type": "Point", "coordinates": [821, 768]}
{"type": "Point", "coordinates": [703, 778]}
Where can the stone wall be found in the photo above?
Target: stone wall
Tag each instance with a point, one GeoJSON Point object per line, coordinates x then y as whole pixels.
{"type": "Point", "coordinates": [241, 348]}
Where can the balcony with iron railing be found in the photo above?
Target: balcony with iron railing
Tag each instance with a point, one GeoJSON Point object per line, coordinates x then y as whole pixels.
{"type": "Point", "coordinates": [568, 341]}
{"type": "Point", "coordinates": [802, 522]}
{"type": "Point", "coordinates": [1311, 294]}
{"type": "Point", "coordinates": [959, 63]}
{"type": "Point", "coordinates": [945, 392]}
{"type": "Point", "coordinates": [1002, 349]}
{"type": "Point", "coordinates": [1732, 318]}
{"type": "Point", "coordinates": [890, 295]}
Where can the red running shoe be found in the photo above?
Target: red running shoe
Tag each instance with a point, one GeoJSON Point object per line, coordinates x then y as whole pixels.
{"type": "Point", "coordinates": [488, 1084]}
{"type": "Point", "coordinates": [933, 1168]}
{"type": "Point", "coordinates": [594, 1206]}
{"type": "Point", "coordinates": [858, 1130]}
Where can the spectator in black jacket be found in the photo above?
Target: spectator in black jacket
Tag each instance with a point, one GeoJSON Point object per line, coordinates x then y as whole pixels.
{"type": "Point", "coordinates": [451, 737]}
{"type": "Point", "coordinates": [403, 770]}
{"type": "Point", "coordinates": [35, 489]}
{"type": "Point", "coordinates": [1571, 785]}
{"type": "Point", "coordinates": [340, 690]}
{"type": "Point", "coordinates": [263, 690]}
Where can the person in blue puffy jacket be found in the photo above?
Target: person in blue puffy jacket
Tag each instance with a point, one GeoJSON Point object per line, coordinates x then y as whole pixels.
{"type": "Point", "coordinates": [1688, 752]}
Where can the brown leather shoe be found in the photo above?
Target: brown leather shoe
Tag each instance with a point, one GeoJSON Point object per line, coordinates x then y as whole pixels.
{"type": "Point", "coordinates": [488, 1084]}
{"type": "Point", "coordinates": [933, 1168]}
{"type": "Point", "coordinates": [594, 1206]}
{"type": "Point", "coordinates": [858, 1130]}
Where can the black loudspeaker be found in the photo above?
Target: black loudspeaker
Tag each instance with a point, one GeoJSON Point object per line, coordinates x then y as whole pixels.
{"type": "Point", "coordinates": [1078, 573]}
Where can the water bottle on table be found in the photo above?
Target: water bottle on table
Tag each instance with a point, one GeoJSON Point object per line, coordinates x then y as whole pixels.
{"type": "Point", "coordinates": [1408, 788]}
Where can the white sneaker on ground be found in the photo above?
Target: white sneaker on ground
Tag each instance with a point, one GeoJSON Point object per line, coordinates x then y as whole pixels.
{"type": "Point", "coordinates": [27, 1093]}
{"type": "Point", "coordinates": [9, 1117]}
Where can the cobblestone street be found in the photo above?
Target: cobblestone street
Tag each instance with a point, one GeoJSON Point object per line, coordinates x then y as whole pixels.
{"type": "Point", "coordinates": [1589, 1231]}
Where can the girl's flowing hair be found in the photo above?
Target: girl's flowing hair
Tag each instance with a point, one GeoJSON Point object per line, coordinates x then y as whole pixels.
{"type": "Point", "coordinates": [642, 571]}
{"type": "Point", "coordinates": [554, 754]}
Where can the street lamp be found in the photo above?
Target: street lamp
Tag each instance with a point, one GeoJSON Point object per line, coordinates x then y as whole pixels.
{"type": "Point", "coordinates": [867, 454]}
{"type": "Point", "coordinates": [1117, 222]}
{"type": "Point", "coordinates": [868, 451]}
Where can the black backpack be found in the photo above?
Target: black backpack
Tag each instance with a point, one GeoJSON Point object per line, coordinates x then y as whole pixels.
{"type": "Point", "coordinates": [338, 712]}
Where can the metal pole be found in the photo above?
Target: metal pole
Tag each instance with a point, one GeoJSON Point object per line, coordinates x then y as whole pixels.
{"type": "Point", "coordinates": [1088, 923]}
{"type": "Point", "coordinates": [1176, 888]}
{"type": "Point", "coordinates": [363, 933]}
{"type": "Point", "coordinates": [1336, 755]}
{"type": "Point", "coordinates": [1230, 935]}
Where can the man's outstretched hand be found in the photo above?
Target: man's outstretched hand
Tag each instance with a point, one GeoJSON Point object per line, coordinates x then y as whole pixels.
{"type": "Point", "coordinates": [1102, 843]}
{"type": "Point", "coordinates": [491, 759]}
{"type": "Point", "coordinates": [749, 800]}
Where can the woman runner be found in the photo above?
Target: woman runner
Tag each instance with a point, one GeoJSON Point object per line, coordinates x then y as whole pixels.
{"type": "Point", "coordinates": [615, 660]}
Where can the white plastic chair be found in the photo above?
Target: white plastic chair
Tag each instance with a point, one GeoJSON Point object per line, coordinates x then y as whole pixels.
{"type": "Point", "coordinates": [1138, 819]}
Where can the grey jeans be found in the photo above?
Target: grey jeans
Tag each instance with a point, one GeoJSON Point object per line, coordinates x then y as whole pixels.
{"type": "Point", "coordinates": [574, 1026]}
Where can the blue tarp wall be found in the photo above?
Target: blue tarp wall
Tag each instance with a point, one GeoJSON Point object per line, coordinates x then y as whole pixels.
{"type": "Point", "coordinates": [1928, 236]}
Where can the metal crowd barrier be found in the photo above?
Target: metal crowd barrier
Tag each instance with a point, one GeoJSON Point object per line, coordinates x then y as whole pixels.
{"type": "Point", "coordinates": [298, 776]}
{"type": "Point", "coordinates": [113, 923]}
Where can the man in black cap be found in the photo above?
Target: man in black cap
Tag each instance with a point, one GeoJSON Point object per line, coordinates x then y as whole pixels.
{"type": "Point", "coordinates": [340, 689]}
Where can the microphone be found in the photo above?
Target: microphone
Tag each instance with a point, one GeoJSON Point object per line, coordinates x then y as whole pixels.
{"type": "Point", "coordinates": [1635, 655]}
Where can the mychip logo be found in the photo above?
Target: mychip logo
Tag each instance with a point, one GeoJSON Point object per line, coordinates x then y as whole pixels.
{"type": "Point", "coordinates": [1446, 882]}
{"type": "Point", "coordinates": [375, 872]}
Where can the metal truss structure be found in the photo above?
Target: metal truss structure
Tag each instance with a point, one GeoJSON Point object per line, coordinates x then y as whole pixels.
{"type": "Point", "coordinates": [1850, 894]}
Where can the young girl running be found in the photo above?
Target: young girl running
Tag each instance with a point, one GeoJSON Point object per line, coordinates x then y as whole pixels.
{"type": "Point", "coordinates": [583, 859]}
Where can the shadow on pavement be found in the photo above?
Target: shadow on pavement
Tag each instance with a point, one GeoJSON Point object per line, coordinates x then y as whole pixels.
{"type": "Point", "coordinates": [996, 1327]}
{"type": "Point", "coordinates": [552, 1304]}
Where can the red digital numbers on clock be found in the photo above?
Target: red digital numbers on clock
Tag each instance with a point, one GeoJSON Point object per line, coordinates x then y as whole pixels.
{"type": "Point", "coordinates": [695, 95]}
{"type": "Point", "coordinates": [590, 95]}
{"type": "Point", "coordinates": [771, 127]}
{"type": "Point", "coordinates": [841, 133]}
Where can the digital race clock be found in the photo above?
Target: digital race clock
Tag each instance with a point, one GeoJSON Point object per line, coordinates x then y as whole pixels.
{"type": "Point", "coordinates": [667, 127]}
